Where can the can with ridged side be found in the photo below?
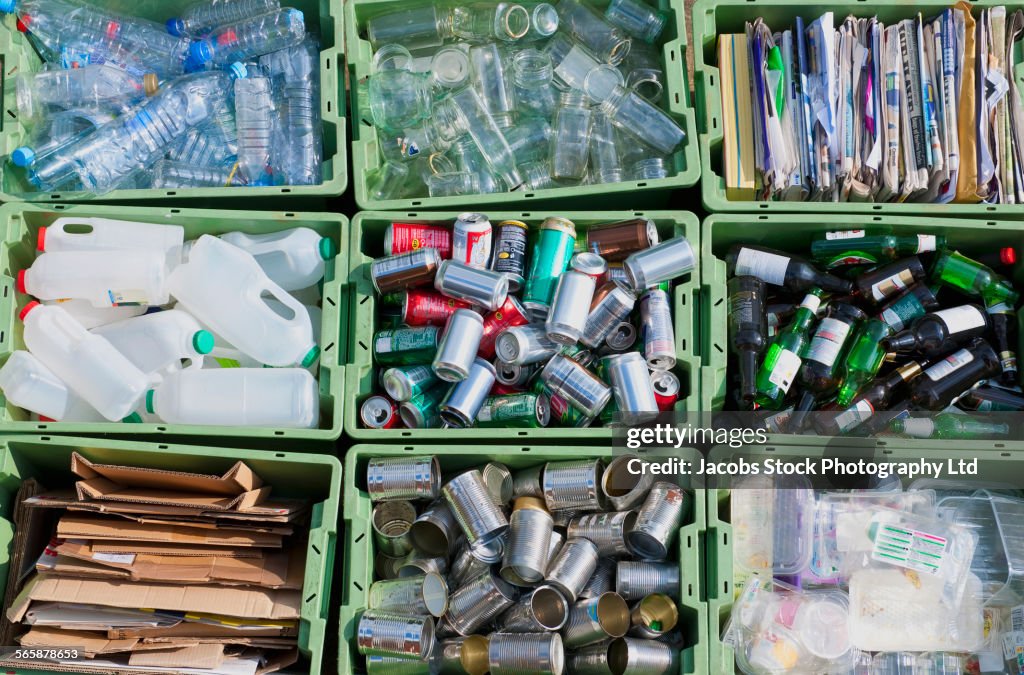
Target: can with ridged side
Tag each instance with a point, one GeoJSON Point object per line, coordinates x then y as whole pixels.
{"type": "Point", "coordinates": [552, 251]}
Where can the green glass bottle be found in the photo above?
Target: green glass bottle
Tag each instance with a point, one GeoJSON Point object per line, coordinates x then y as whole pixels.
{"type": "Point", "coordinates": [909, 305]}
{"type": "Point", "coordinates": [782, 361]}
{"type": "Point", "coordinates": [958, 271]}
{"type": "Point", "coordinates": [819, 374]}
{"type": "Point", "coordinates": [859, 247]}
{"type": "Point", "coordinates": [948, 426]}
{"type": "Point", "coordinates": [863, 361]}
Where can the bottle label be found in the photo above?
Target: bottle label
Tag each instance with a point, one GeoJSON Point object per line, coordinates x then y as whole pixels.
{"type": "Point", "coordinates": [852, 258]}
{"type": "Point", "coordinates": [811, 302]}
{"type": "Point", "coordinates": [900, 313]}
{"type": "Point", "coordinates": [844, 234]}
{"type": "Point", "coordinates": [960, 319]}
{"type": "Point", "coordinates": [1008, 361]}
{"type": "Point", "coordinates": [949, 365]}
{"type": "Point", "coordinates": [926, 243]}
{"type": "Point", "coordinates": [767, 267]}
{"type": "Point", "coordinates": [741, 307]}
{"type": "Point", "coordinates": [912, 549]}
{"type": "Point", "coordinates": [855, 415]}
{"type": "Point", "coordinates": [891, 285]}
{"type": "Point", "coordinates": [919, 427]}
{"type": "Point", "coordinates": [828, 341]}
{"type": "Point", "coordinates": [785, 370]}
{"type": "Point", "coordinates": [120, 298]}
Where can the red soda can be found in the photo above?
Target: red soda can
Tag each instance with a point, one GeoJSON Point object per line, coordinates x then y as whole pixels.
{"type": "Point", "coordinates": [405, 237]}
{"type": "Point", "coordinates": [428, 308]}
{"type": "Point", "coordinates": [512, 313]}
{"type": "Point", "coordinates": [666, 389]}
{"type": "Point", "coordinates": [378, 412]}
{"type": "Point", "coordinates": [505, 389]}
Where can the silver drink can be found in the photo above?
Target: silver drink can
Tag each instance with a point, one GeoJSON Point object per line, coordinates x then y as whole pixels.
{"type": "Point", "coordinates": [471, 240]}
{"type": "Point", "coordinates": [632, 386]}
{"type": "Point", "coordinates": [659, 333]}
{"type": "Point", "coordinates": [590, 264]}
{"type": "Point", "coordinates": [476, 286]}
{"type": "Point", "coordinates": [464, 399]}
{"type": "Point", "coordinates": [458, 345]}
{"type": "Point", "coordinates": [577, 385]}
{"type": "Point", "coordinates": [622, 337]}
{"type": "Point", "coordinates": [668, 260]}
{"type": "Point", "coordinates": [569, 307]}
{"type": "Point", "coordinates": [524, 345]}
{"type": "Point", "coordinates": [612, 305]}
{"type": "Point", "coordinates": [514, 375]}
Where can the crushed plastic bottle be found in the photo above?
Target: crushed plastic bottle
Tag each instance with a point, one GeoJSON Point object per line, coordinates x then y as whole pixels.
{"type": "Point", "coordinates": [258, 35]}
{"type": "Point", "coordinates": [101, 87]}
{"type": "Point", "coordinates": [298, 71]}
{"type": "Point", "coordinates": [168, 174]}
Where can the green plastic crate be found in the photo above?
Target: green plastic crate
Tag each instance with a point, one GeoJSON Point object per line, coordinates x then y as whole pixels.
{"type": "Point", "coordinates": [359, 550]}
{"type": "Point", "coordinates": [793, 233]}
{"type": "Point", "coordinates": [714, 17]}
{"type": "Point", "coordinates": [18, 56]}
{"type": "Point", "coordinates": [641, 194]}
{"type": "Point", "coordinates": [368, 243]}
{"type": "Point", "coordinates": [317, 477]}
{"type": "Point", "coordinates": [721, 589]}
{"type": "Point", "coordinates": [21, 222]}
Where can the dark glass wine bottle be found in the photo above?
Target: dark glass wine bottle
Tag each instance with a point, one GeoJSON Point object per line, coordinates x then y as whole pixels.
{"type": "Point", "coordinates": [952, 376]}
{"type": "Point", "coordinates": [911, 304]}
{"type": "Point", "coordinates": [781, 269]}
{"type": "Point", "coordinates": [819, 374]}
{"type": "Point", "coordinates": [890, 280]}
{"type": "Point", "coordinates": [747, 330]}
{"type": "Point", "coordinates": [875, 396]}
{"type": "Point", "coordinates": [939, 332]}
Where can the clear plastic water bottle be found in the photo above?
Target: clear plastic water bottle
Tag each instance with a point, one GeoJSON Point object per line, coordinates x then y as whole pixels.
{"type": "Point", "coordinates": [293, 259]}
{"type": "Point", "coordinates": [221, 285]}
{"type": "Point", "coordinates": [200, 147]}
{"type": "Point", "coordinates": [298, 71]}
{"type": "Point", "coordinates": [134, 141]}
{"type": "Point", "coordinates": [251, 397]}
{"type": "Point", "coordinates": [158, 343]}
{"type": "Point", "coordinates": [255, 118]}
{"type": "Point", "coordinates": [102, 86]}
{"type": "Point", "coordinates": [65, 128]}
{"type": "Point", "coordinates": [253, 37]}
{"type": "Point", "coordinates": [28, 384]}
{"type": "Point", "coordinates": [82, 33]}
{"type": "Point", "coordinates": [89, 365]}
{"type": "Point", "coordinates": [201, 17]}
{"type": "Point", "coordinates": [168, 174]}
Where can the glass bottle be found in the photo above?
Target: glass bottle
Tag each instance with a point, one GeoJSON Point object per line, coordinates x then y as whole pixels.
{"type": "Point", "coordinates": [954, 269]}
{"type": "Point", "coordinates": [479, 22]}
{"type": "Point", "coordinates": [781, 269]}
{"type": "Point", "coordinates": [863, 361]}
{"type": "Point", "coordinates": [1004, 328]}
{"type": "Point", "coordinates": [952, 376]}
{"type": "Point", "coordinates": [782, 361]}
{"type": "Point", "coordinates": [464, 112]}
{"type": "Point", "coordinates": [858, 247]}
{"type": "Point", "coordinates": [819, 373]}
{"type": "Point", "coordinates": [570, 144]}
{"type": "Point", "coordinates": [905, 308]}
{"type": "Point", "coordinates": [886, 281]}
{"type": "Point", "coordinates": [747, 330]}
{"type": "Point", "coordinates": [875, 396]}
{"type": "Point", "coordinates": [532, 74]}
{"type": "Point", "coordinates": [948, 426]}
{"type": "Point", "coordinates": [937, 333]}
{"type": "Point", "coordinates": [607, 42]}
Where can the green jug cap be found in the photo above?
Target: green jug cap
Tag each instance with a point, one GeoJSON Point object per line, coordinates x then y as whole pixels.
{"type": "Point", "coordinates": [311, 357]}
{"type": "Point", "coordinates": [149, 400]}
{"type": "Point", "coordinates": [134, 418]}
{"type": "Point", "coordinates": [327, 249]}
{"type": "Point", "coordinates": [202, 341]}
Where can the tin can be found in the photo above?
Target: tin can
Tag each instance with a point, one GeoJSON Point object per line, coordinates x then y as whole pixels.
{"type": "Point", "coordinates": [378, 412]}
{"type": "Point", "coordinates": [471, 284]}
{"type": "Point", "coordinates": [615, 241]}
{"type": "Point", "coordinates": [516, 410]}
{"type": "Point", "coordinates": [511, 313]}
{"type": "Point", "coordinates": [514, 375]}
{"type": "Point", "coordinates": [471, 240]}
{"type": "Point", "coordinates": [403, 478]}
{"type": "Point", "coordinates": [666, 389]}
{"type": "Point", "coordinates": [387, 634]}
{"type": "Point", "coordinates": [562, 413]}
{"type": "Point", "coordinates": [523, 345]}
{"type": "Point", "coordinates": [406, 237]}
{"type": "Point", "coordinates": [391, 522]}
{"type": "Point", "coordinates": [551, 254]}
{"type": "Point", "coordinates": [403, 271]}
{"type": "Point", "coordinates": [659, 333]}
{"type": "Point", "coordinates": [405, 346]}
{"type": "Point", "coordinates": [423, 307]}
{"type": "Point", "coordinates": [402, 383]}
{"type": "Point", "coordinates": [632, 386]}
{"type": "Point", "coordinates": [418, 595]}
{"type": "Point", "coordinates": [510, 252]}
{"type": "Point", "coordinates": [423, 411]}
{"type": "Point", "coordinates": [622, 337]}
{"type": "Point", "coordinates": [435, 531]}
{"type": "Point", "coordinates": [481, 520]}
{"type": "Point", "coordinates": [569, 307]}
{"type": "Point", "coordinates": [590, 264]}
{"type": "Point", "coordinates": [464, 400]}
{"type": "Point", "coordinates": [577, 385]}
{"type": "Point", "coordinates": [658, 521]}
{"type": "Point", "coordinates": [458, 346]}
{"type": "Point", "coordinates": [664, 262]}
{"type": "Point", "coordinates": [612, 305]}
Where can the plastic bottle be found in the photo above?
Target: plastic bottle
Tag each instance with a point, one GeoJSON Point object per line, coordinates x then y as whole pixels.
{"type": "Point", "coordinates": [254, 117]}
{"type": "Point", "coordinates": [89, 365]}
{"type": "Point", "coordinates": [257, 35]}
{"type": "Point", "coordinates": [292, 259]}
{"type": "Point", "coordinates": [252, 397]}
{"type": "Point", "coordinates": [84, 313]}
{"type": "Point", "coordinates": [134, 141]}
{"type": "Point", "coordinates": [97, 86]}
{"type": "Point", "coordinates": [221, 285]}
{"type": "Point", "coordinates": [168, 174]}
{"type": "Point", "coordinates": [201, 17]}
{"type": "Point", "coordinates": [202, 147]}
{"type": "Point", "coordinates": [85, 33]}
{"type": "Point", "coordinates": [71, 233]}
{"type": "Point", "coordinates": [226, 355]}
{"type": "Point", "coordinates": [298, 68]}
{"type": "Point", "coordinates": [157, 343]}
{"type": "Point", "coordinates": [48, 143]}
{"type": "Point", "coordinates": [29, 384]}
{"type": "Point", "coordinates": [104, 278]}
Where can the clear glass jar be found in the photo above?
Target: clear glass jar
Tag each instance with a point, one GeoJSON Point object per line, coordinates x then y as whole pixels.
{"type": "Point", "coordinates": [570, 144]}
{"type": "Point", "coordinates": [533, 75]}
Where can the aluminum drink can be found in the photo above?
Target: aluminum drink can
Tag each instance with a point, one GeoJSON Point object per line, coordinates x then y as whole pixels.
{"type": "Point", "coordinates": [510, 252]}
{"type": "Point", "coordinates": [471, 240]}
{"type": "Point", "coordinates": [406, 237]}
{"type": "Point", "coordinates": [551, 254]}
{"type": "Point", "coordinates": [378, 412]}
{"type": "Point", "coordinates": [471, 284]}
{"type": "Point", "coordinates": [403, 271]}
{"type": "Point", "coordinates": [615, 241]}
{"type": "Point", "coordinates": [590, 264]}
{"type": "Point", "coordinates": [402, 383]}
{"type": "Point", "coordinates": [569, 308]}
{"type": "Point", "coordinates": [612, 304]}
{"type": "Point", "coordinates": [666, 389]}
{"type": "Point", "coordinates": [405, 346]}
{"type": "Point", "coordinates": [659, 333]}
{"type": "Point", "coordinates": [511, 313]}
{"type": "Point", "coordinates": [429, 308]}
{"type": "Point", "coordinates": [516, 410]}
{"type": "Point", "coordinates": [457, 348]}
{"type": "Point", "coordinates": [423, 411]}
{"type": "Point", "coordinates": [514, 375]}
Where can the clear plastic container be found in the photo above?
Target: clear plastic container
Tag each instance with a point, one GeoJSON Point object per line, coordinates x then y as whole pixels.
{"type": "Point", "coordinates": [999, 558]}
{"type": "Point", "coordinates": [772, 520]}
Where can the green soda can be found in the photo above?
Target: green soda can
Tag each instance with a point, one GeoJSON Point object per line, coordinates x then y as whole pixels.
{"type": "Point", "coordinates": [514, 410]}
{"type": "Point", "coordinates": [405, 382]}
{"type": "Point", "coordinates": [396, 299]}
{"type": "Point", "coordinates": [405, 346]}
{"type": "Point", "coordinates": [560, 410]}
{"type": "Point", "coordinates": [552, 251]}
{"type": "Point", "coordinates": [579, 354]}
{"type": "Point", "coordinates": [424, 410]}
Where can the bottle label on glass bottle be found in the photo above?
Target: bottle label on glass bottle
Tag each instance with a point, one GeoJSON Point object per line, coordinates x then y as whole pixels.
{"type": "Point", "coordinates": [1008, 361]}
{"type": "Point", "coordinates": [767, 267]}
{"type": "Point", "coordinates": [855, 415]}
{"type": "Point", "coordinates": [811, 302]}
{"type": "Point", "coordinates": [901, 312]}
{"type": "Point", "coordinates": [918, 427]}
{"type": "Point", "coordinates": [891, 285]}
{"type": "Point", "coordinates": [926, 243]}
{"type": "Point", "coordinates": [949, 365]}
{"type": "Point", "coordinates": [828, 341]}
{"type": "Point", "coordinates": [741, 307]}
{"type": "Point", "coordinates": [960, 319]}
{"type": "Point", "coordinates": [844, 234]}
{"type": "Point", "coordinates": [785, 370]}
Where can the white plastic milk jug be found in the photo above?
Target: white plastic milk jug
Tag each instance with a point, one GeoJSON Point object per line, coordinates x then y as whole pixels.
{"type": "Point", "coordinates": [104, 278]}
{"type": "Point", "coordinates": [158, 342]}
{"type": "Point", "coordinates": [28, 384]}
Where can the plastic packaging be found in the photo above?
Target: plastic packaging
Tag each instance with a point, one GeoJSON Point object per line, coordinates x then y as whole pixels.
{"type": "Point", "coordinates": [201, 17]}
{"type": "Point", "coordinates": [104, 278]}
{"type": "Point", "coordinates": [298, 69]}
{"type": "Point", "coordinates": [292, 259]}
{"type": "Point", "coordinates": [773, 520]}
{"type": "Point", "coordinates": [84, 313]}
{"type": "Point", "coordinates": [158, 343]}
{"type": "Point", "coordinates": [255, 118]}
{"type": "Point", "coordinates": [257, 35]}
{"type": "Point", "coordinates": [103, 86]}
{"type": "Point", "coordinates": [71, 233]}
{"type": "Point", "coordinates": [29, 384]}
{"type": "Point", "coordinates": [168, 174]}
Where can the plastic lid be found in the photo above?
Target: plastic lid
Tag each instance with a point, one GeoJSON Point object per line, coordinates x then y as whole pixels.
{"type": "Point", "coordinates": [311, 356]}
{"type": "Point", "coordinates": [1008, 256]}
{"type": "Point", "coordinates": [41, 239]}
{"type": "Point", "coordinates": [200, 52]}
{"type": "Point", "coordinates": [28, 308]}
{"type": "Point", "coordinates": [176, 27]}
{"type": "Point", "coordinates": [150, 83]}
{"type": "Point", "coordinates": [238, 70]}
{"type": "Point", "coordinates": [19, 282]}
{"type": "Point", "coordinates": [134, 418]}
{"type": "Point", "coordinates": [326, 247]}
{"type": "Point", "coordinates": [23, 156]}
{"type": "Point", "coordinates": [7, 6]}
{"type": "Point", "coordinates": [149, 401]}
{"type": "Point", "coordinates": [202, 341]}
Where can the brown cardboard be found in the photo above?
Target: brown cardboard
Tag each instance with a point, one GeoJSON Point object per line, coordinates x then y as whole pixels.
{"type": "Point", "coordinates": [32, 529]}
{"type": "Point", "coordinates": [235, 601]}
{"type": "Point", "coordinates": [191, 656]}
{"type": "Point", "coordinates": [260, 642]}
{"type": "Point", "coordinates": [91, 643]}
{"type": "Point", "coordinates": [96, 527]}
{"type": "Point", "coordinates": [104, 489]}
{"type": "Point", "coordinates": [270, 511]}
{"type": "Point", "coordinates": [238, 479]}
{"type": "Point", "coordinates": [174, 550]}
{"type": "Point", "coordinates": [192, 629]}
{"type": "Point", "coordinates": [276, 661]}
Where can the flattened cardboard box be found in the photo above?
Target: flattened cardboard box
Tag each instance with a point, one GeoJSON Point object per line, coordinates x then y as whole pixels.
{"type": "Point", "coordinates": [279, 510]}
{"type": "Point", "coordinates": [238, 601]}
{"type": "Point", "coordinates": [97, 527]}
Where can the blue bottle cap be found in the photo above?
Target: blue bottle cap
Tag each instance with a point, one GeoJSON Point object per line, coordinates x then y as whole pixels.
{"type": "Point", "coordinates": [176, 27]}
{"type": "Point", "coordinates": [23, 156]}
{"type": "Point", "coordinates": [200, 52]}
{"type": "Point", "coordinates": [238, 70]}
{"type": "Point", "coordinates": [7, 6]}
